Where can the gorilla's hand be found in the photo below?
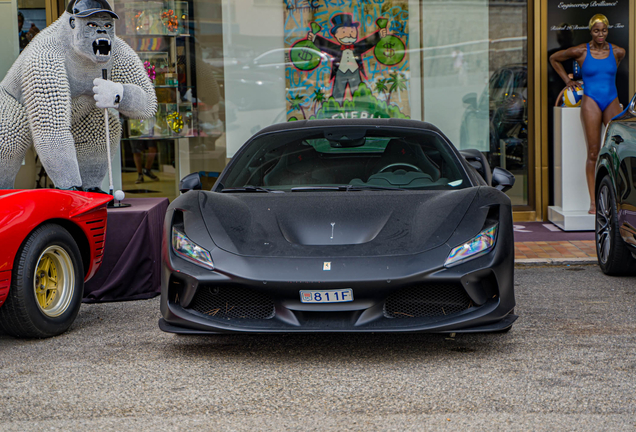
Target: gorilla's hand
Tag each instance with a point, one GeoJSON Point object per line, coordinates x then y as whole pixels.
{"type": "Point", "coordinates": [108, 94]}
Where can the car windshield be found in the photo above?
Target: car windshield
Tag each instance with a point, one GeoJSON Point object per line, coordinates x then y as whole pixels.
{"type": "Point", "coordinates": [348, 159]}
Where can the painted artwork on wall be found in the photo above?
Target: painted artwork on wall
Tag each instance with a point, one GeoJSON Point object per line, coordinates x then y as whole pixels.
{"type": "Point", "coordinates": [347, 59]}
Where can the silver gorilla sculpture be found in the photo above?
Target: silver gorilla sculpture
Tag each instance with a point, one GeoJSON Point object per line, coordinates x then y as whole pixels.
{"type": "Point", "coordinates": [53, 97]}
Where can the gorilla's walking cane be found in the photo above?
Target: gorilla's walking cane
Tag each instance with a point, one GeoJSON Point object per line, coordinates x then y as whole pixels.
{"type": "Point", "coordinates": [118, 195]}
{"type": "Point", "coordinates": [107, 126]}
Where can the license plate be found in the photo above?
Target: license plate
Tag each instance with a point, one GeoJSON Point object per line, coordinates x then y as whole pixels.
{"type": "Point", "coordinates": [327, 296]}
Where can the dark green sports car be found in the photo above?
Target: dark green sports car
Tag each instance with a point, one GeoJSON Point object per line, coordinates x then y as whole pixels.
{"type": "Point", "coordinates": [616, 195]}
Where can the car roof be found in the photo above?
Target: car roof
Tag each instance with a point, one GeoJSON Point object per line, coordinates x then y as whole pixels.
{"type": "Point", "coordinates": [378, 122]}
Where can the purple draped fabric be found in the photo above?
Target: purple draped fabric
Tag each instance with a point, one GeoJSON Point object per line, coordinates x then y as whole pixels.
{"type": "Point", "coordinates": [131, 268]}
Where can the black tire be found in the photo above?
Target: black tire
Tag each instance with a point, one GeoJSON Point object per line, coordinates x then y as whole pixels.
{"type": "Point", "coordinates": [614, 257]}
{"type": "Point", "coordinates": [51, 310]}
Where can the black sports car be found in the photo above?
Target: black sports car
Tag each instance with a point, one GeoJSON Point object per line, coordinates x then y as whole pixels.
{"type": "Point", "coordinates": [342, 226]}
{"type": "Point", "coordinates": [616, 195]}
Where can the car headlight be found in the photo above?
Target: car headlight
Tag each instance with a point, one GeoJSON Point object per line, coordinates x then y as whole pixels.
{"type": "Point", "coordinates": [190, 251]}
{"type": "Point", "coordinates": [478, 246]}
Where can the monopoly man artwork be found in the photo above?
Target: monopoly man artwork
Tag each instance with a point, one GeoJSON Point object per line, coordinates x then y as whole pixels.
{"type": "Point", "coordinates": [347, 61]}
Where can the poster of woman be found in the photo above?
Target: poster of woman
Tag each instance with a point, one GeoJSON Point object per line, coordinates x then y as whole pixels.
{"type": "Point", "coordinates": [347, 59]}
{"type": "Point", "coordinates": [570, 31]}
{"type": "Point", "coordinates": [599, 60]}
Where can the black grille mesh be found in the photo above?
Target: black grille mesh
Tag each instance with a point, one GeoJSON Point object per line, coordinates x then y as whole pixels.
{"type": "Point", "coordinates": [427, 301]}
{"type": "Point", "coordinates": [232, 302]}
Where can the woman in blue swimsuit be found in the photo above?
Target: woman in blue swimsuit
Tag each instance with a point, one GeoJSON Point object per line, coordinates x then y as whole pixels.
{"type": "Point", "coordinates": [599, 61]}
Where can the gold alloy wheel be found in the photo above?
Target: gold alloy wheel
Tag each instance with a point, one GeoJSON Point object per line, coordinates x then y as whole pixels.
{"type": "Point", "coordinates": [54, 281]}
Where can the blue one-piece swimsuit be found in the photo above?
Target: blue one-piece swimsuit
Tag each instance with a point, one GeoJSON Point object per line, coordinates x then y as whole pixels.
{"type": "Point", "coordinates": [599, 78]}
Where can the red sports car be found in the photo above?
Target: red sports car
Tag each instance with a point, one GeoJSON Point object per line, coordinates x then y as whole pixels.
{"type": "Point", "coordinates": [51, 241]}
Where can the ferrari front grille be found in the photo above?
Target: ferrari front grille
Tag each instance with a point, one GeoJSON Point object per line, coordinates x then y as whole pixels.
{"type": "Point", "coordinates": [431, 300]}
{"type": "Point", "coordinates": [232, 302]}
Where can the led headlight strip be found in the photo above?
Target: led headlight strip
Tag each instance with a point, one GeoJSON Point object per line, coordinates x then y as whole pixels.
{"type": "Point", "coordinates": [478, 246]}
{"type": "Point", "coordinates": [190, 251]}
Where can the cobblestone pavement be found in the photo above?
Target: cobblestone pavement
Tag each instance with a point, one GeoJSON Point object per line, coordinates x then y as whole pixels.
{"type": "Point", "coordinates": [584, 251]}
{"type": "Point", "coordinates": [568, 363]}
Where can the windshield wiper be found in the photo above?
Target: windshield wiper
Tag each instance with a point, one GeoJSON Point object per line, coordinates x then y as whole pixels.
{"type": "Point", "coordinates": [250, 189]}
{"type": "Point", "coordinates": [315, 188]}
{"type": "Point", "coordinates": [345, 188]}
{"type": "Point", "coordinates": [371, 187]}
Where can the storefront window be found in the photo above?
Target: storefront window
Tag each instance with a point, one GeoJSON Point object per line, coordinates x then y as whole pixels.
{"type": "Point", "coordinates": [224, 70]}
{"type": "Point", "coordinates": [508, 111]}
{"type": "Point", "coordinates": [31, 20]}
{"type": "Point", "coordinates": [180, 45]}
{"type": "Point", "coordinates": [495, 82]}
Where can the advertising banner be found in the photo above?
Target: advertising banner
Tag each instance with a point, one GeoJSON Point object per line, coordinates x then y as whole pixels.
{"type": "Point", "coordinates": [568, 26]}
{"type": "Point", "coordinates": [346, 59]}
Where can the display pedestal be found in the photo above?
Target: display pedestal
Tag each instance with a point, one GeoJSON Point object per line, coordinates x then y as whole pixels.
{"type": "Point", "coordinates": [571, 197]}
{"type": "Point", "coordinates": [131, 266]}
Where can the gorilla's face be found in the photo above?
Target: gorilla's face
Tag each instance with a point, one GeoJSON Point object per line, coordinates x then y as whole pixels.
{"type": "Point", "coordinates": [93, 36]}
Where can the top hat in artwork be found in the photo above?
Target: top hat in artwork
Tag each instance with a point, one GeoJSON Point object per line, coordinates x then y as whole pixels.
{"type": "Point", "coordinates": [342, 20]}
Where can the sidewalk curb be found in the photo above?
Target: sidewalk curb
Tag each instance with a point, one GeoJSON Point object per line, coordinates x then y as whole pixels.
{"type": "Point", "coordinates": [556, 261]}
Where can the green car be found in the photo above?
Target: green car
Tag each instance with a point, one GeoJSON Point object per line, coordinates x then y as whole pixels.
{"type": "Point", "coordinates": [616, 195]}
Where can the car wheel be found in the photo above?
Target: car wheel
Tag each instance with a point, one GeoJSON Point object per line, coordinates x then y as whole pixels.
{"type": "Point", "coordinates": [614, 257]}
{"type": "Point", "coordinates": [47, 284]}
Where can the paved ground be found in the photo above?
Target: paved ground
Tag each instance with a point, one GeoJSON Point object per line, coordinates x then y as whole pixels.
{"type": "Point", "coordinates": [568, 364]}
{"type": "Point", "coordinates": [583, 251]}
{"type": "Point", "coordinates": [544, 242]}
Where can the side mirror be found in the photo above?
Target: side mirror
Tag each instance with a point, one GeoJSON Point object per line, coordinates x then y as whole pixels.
{"type": "Point", "coordinates": [470, 100]}
{"type": "Point", "coordinates": [190, 182]}
{"type": "Point", "coordinates": [502, 179]}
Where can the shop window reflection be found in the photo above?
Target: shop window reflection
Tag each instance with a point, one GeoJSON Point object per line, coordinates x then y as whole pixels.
{"type": "Point", "coordinates": [174, 40]}
{"type": "Point", "coordinates": [495, 121]}
{"type": "Point", "coordinates": [469, 61]}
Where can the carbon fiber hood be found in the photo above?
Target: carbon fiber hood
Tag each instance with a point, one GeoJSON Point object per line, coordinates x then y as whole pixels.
{"type": "Point", "coordinates": [304, 224]}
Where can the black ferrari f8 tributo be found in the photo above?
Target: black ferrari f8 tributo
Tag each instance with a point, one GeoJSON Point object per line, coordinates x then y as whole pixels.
{"type": "Point", "coordinates": [370, 225]}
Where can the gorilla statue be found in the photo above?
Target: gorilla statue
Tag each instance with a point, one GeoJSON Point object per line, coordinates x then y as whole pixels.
{"type": "Point", "coordinates": [54, 97]}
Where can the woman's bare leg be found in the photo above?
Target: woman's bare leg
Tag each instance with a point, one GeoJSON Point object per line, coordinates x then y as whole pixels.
{"type": "Point", "coordinates": [611, 111]}
{"type": "Point", "coordinates": [591, 117]}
